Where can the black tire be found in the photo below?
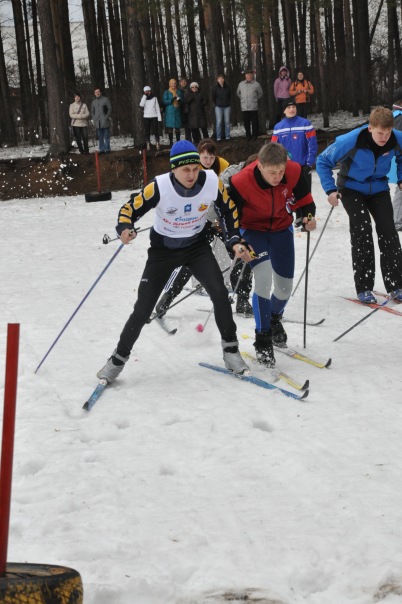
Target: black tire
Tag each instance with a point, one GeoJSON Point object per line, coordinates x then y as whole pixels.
{"type": "Point", "coordinates": [102, 196]}
{"type": "Point", "coordinates": [40, 584]}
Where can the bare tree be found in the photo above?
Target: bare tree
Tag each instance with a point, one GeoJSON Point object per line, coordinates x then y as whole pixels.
{"type": "Point", "coordinates": [55, 86]}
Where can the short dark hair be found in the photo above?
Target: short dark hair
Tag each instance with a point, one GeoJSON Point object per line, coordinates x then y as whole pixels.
{"type": "Point", "coordinates": [272, 154]}
{"type": "Point", "coordinates": [206, 145]}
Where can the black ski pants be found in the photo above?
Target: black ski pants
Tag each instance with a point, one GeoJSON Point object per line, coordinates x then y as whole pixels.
{"type": "Point", "coordinates": [159, 266]}
{"type": "Point", "coordinates": [360, 209]}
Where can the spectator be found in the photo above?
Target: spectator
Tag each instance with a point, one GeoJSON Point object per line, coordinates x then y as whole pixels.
{"type": "Point", "coordinates": [221, 95]}
{"type": "Point", "coordinates": [79, 114]}
{"type": "Point", "coordinates": [197, 118]}
{"type": "Point", "coordinates": [172, 101]}
{"type": "Point", "coordinates": [152, 115]}
{"type": "Point", "coordinates": [298, 136]}
{"type": "Point", "coordinates": [363, 159]}
{"type": "Point", "coordinates": [183, 86]}
{"type": "Point", "coordinates": [301, 89]}
{"type": "Point", "coordinates": [249, 92]}
{"type": "Point", "coordinates": [281, 90]}
{"type": "Point", "coordinates": [101, 110]}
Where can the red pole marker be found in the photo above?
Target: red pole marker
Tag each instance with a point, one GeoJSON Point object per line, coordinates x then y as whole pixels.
{"type": "Point", "coordinates": [7, 451]}
{"type": "Point", "coordinates": [98, 171]}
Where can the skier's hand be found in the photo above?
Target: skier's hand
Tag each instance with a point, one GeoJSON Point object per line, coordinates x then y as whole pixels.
{"type": "Point", "coordinates": [334, 198]}
{"type": "Point", "coordinates": [244, 251]}
{"type": "Point", "coordinates": [128, 235]}
{"type": "Point", "coordinates": [309, 223]}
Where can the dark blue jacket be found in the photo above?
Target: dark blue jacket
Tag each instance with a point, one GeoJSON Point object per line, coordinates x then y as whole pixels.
{"type": "Point", "coordinates": [358, 167]}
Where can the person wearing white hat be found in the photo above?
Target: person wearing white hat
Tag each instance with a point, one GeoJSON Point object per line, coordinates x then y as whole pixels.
{"type": "Point", "coordinates": [152, 115]}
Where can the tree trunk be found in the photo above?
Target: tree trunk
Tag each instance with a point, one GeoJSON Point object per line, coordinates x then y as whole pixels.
{"type": "Point", "coordinates": [269, 64]}
{"type": "Point", "coordinates": [192, 39]}
{"type": "Point", "coordinates": [135, 59]}
{"type": "Point", "coordinates": [94, 46]}
{"type": "Point", "coordinates": [350, 91]}
{"type": "Point", "coordinates": [25, 83]}
{"type": "Point", "coordinates": [59, 135]}
{"type": "Point", "coordinates": [322, 69]}
{"type": "Point", "coordinates": [8, 133]}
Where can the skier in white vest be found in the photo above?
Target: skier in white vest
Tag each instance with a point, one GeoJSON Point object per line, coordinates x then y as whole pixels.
{"type": "Point", "coordinates": [179, 237]}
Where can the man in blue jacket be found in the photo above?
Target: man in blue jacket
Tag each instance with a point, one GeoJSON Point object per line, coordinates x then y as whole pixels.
{"type": "Point", "coordinates": [297, 135]}
{"type": "Point", "coordinates": [364, 158]}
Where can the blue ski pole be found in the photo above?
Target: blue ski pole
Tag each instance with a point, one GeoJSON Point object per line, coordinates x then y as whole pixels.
{"type": "Point", "coordinates": [79, 306]}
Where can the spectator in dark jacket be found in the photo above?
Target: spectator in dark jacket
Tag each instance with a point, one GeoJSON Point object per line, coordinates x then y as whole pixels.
{"type": "Point", "coordinates": [221, 96]}
{"type": "Point", "coordinates": [197, 118]}
{"type": "Point", "coordinates": [101, 109]}
{"type": "Point", "coordinates": [183, 86]}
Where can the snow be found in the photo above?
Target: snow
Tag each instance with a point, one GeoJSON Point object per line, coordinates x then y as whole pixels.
{"type": "Point", "coordinates": [185, 486]}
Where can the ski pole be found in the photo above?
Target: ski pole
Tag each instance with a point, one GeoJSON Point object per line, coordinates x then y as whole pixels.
{"type": "Point", "coordinates": [201, 326]}
{"type": "Point", "coordinates": [238, 280]}
{"type": "Point", "coordinates": [195, 290]}
{"type": "Point", "coordinates": [306, 289]}
{"type": "Point", "coordinates": [106, 239]}
{"type": "Point", "coordinates": [79, 306]}
{"type": "Point", "coordinates": [364, 318]}
{"type": "Point", "coordinates": [312, 253]}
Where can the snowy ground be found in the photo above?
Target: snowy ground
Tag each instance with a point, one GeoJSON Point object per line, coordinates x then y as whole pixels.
{"type": "Point", "coordinates": [183, 486]}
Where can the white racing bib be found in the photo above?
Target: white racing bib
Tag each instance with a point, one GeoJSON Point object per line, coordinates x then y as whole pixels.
{"type": "Point", "coordinates": [177, 216]}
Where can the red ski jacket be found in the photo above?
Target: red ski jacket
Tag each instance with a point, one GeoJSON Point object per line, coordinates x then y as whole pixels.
{"type": "Point", "coordinates": [263, 207]}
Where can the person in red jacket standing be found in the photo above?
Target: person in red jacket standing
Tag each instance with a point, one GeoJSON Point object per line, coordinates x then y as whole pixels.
{"type": "Point", "coordinates": [266, 193]}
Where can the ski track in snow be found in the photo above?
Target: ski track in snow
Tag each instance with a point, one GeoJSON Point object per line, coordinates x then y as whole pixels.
{"type": "Point", "coordinates": [182, 485]}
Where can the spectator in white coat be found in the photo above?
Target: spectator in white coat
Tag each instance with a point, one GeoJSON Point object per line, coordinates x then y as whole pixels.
{"type": "Point", "coordinates": [79, 114]}
{"type": "Point", "coordinates": [152, 115]}
{"type": "Point", "coordinates": [249, 92]}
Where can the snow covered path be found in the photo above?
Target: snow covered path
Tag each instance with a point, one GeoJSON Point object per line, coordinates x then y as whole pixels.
{"type": "Point", "coordinates": [183, 486]}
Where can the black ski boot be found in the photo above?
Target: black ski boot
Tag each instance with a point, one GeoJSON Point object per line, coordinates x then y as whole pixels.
{"type": "Point", "coordinates": [243, 306]}
{"type": "Point", "coordinates": [163, 304]}
{"type": "Point", "coordinates": [264, 349]}
{"type": "Point", "coordinates": [279, 336]}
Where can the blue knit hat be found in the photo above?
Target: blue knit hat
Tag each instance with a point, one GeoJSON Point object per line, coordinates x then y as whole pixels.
{"type": "Point", "coordinates": [183, 153]}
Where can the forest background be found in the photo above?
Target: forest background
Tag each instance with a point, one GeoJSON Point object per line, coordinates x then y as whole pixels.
{"type": "Point", "coordinates": [349, 49]}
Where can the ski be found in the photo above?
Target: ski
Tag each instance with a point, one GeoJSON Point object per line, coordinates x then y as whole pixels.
{"type": "Point", "coordinates": [100, 388]}
{"type": "Point", "coordinates": [162, 323]}
{"type": "Point", "coordinates": [388, 296]}
{"type": "Point", "coordinates": [256, 381]}
{"type": "Point", "coordinates": [302, 357]}
{"type": "Point", "coordinates": [279, 374]}
{"type": "Point", "coordinates": [388, 309]}
{"type": "Point", "coordinates": [310, 323]}
{"type": "Point", "coordinates": [299, 356]}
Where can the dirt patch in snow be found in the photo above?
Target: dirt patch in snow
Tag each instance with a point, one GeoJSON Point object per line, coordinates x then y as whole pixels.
{"type": "Point", "coordinates": [75, 174]}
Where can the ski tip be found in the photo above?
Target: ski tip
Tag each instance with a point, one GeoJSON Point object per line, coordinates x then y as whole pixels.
{"type": "Point", "coordinates": [328, 363]}
{"type": "Point", "coordinates": [319, 322]}
{"type": "Point", "coordinates": [304, 395]}
{"type": "Point", "coordinates": [85, 406]}
{"type": "Point", "coordinates": [172, 332]}
{"type": "Point", "coordinates": [306, 385]}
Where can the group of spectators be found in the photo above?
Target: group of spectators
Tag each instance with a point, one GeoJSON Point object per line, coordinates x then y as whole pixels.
{"type": "Point", "coordinates": [184, 105]}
